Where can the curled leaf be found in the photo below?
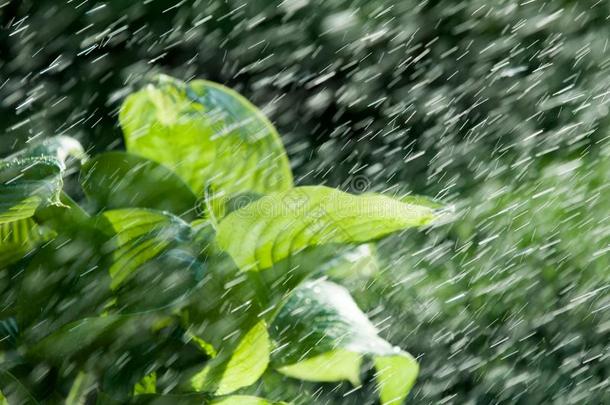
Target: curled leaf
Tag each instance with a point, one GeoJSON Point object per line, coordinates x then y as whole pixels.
{"type": "Point", "coordinates": [323, 336]}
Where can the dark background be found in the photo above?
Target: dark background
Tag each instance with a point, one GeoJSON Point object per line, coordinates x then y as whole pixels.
{"type": "Point", "coordinates": [348, 83]}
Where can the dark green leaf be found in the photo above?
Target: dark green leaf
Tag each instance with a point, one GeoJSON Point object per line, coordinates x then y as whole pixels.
{"type": "Point", "coordinates": [122, 180]}
{"type": "Point", "coordinates": [66, 279]}
{"type": "Point", "coordinates": [158, 259]}
{"type": "Point", "coordinates": [201, 399]}
{"type": "Point", "coordinates": [119, 349]}
{"type": "Point", "coordinates": [81, 336]}
{"type": "Point", "coordinates": [13, 391]}
{"type": "Point", "coordinates": [9, 332]}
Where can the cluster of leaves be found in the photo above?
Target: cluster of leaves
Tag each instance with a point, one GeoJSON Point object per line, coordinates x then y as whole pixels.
{"type": "Point", "coordinates": [471, 99]}
{"type": "Point", "coordinates": [193, 267]}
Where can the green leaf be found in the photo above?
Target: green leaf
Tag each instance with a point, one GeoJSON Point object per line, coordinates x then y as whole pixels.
{"type": "Point", "coordinates": [208, 134]}
{"type": "Point", "coordinates": [335, 365]}
{"type": "Point", "coordinates": [355, 264]}
{"type": "Point", "coordinates": [322, 336]}
{"type": "Point", "coordinates": [13, 390]}
{"type": "Point", "coordinates": [141, 236]}
{"type": "Point", "coordinates": [18, 238]}
{"type": "Point", "coordinates": [125, 348]}
{"type": "Point", "coordinates": [243, 367]}
{"type": "Point", "coordinates": [421, 200]}
{"type": "Point", "coordinates": [79, 390]}
{"type": "Point", "coordinates": [243, 400]}
{"type": "Point", "coordinates": [19, 199]}
{"type": "Point", "coordinates": [203, 345]}
{"type": "Point", "coordinates": [58, 148]}
{"type": "Point", "coordinates": [168, 399]}
{"type": "Point", "coordinates": [67, 217]}
{"type": "Point", "coordinates": [9, 332]}
{"type": "Point", "coordinates": [147, 385]}
{"type": "Point", "coordinates": [218, 206]}
{"type": "Point", "coordinates": [30, 179]}
{"type": "Point", "coordinates": [395, 376]}
{"type": "Point", "coordinates": [156, 258]}
{"type": "Point", "coordinates": [69, 271]}
{"type": "Point", "coordinates": [282, 224]}
{"type": "Point", "coordinates": [201, 399]}
{"type": "Point", "coordinates": [33, 177]}
{"type": "Point", "coordinates": [78, 336]}
{"type": "Point", "coordinates": [123, 180]}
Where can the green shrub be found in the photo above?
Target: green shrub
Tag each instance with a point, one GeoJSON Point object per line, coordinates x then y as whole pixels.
{"type": "Point", "coordinates": [194, 266]}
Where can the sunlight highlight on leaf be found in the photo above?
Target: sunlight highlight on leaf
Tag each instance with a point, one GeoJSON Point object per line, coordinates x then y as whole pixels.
{"type": "Point", "coordinates": [242, 368]}
{"type": "Point", "coordinates": [208, 134]}
{"type": "Point", "coordinates": [278, 225]}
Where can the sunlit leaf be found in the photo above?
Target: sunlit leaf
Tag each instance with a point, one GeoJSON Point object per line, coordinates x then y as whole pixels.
{"type": "Point", "coordinates": [208, 134]}
{"type": "Point", "coordinates": [18, 238]}
{"type": "Point", "coordinates": [395, 375]}
{"type": "Point", "coordinates": [243, 400]}
{"type": "Point", "coordinates": [205, 346]}
{"type": "Point", "coordinates": [241, 368]}
{"type": "Point", "coordinates": [282, 224]}
{"type": "Point", "coordinates": [421, 200]}
{"type": "Point", "coordinates": [123, 180]}
{"type": "Point", "coordinates": [335, 365]}
{"type": "Point", "coordinates": [218, 206]}
{"type": "Point", "coordinates": [147, 385]}
{"type": "Point", "coordinates": [322, 336]}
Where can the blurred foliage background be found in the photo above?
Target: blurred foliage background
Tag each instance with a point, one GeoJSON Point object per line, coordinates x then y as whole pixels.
{"type": "Point", "coordinates": [498, 108]}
